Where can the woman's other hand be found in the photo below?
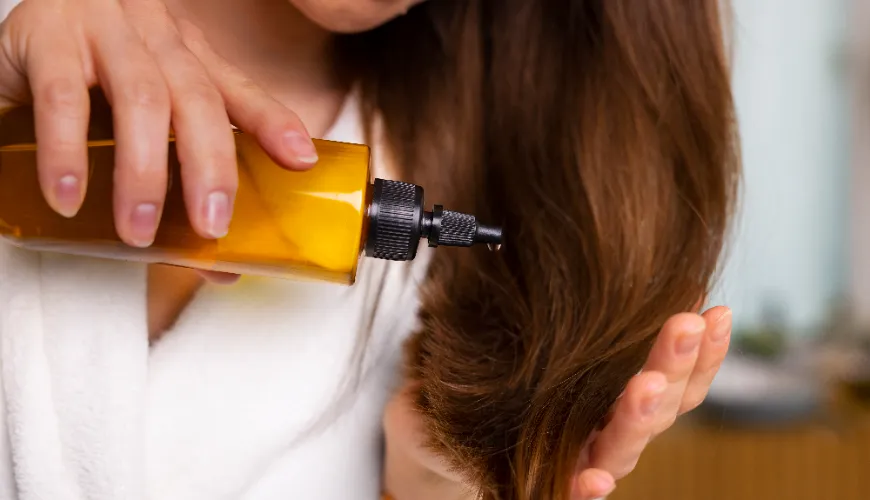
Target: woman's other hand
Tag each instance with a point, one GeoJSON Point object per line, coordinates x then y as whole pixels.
{"type": "Point", "coordinates": [155, 71]}
{"type": "Point", "coordinates": [675, 380]}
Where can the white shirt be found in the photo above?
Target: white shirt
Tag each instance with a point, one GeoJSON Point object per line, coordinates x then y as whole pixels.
{"type": "Point", "coordinates": [252, 395]}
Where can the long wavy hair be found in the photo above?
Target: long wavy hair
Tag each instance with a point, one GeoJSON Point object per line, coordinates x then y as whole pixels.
{"type": "Point", "coordinates": [602, 134]}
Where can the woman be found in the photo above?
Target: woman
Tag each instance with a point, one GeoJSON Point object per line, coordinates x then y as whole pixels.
{"type": "Point", "coordinates": [603, 130]}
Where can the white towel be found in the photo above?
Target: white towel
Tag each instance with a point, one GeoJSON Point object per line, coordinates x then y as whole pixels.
{"type": "Point", "coordinates": [216, 410]}
{"type": "Point", "coordinates": [73, 385]}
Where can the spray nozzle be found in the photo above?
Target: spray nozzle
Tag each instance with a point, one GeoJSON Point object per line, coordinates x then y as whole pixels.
{"type": "Point", "coordinates": [397, 222]}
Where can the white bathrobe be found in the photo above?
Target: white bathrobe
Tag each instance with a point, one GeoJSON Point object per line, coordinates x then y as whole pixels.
{"type": "Point", "coordinates": [252, 395]}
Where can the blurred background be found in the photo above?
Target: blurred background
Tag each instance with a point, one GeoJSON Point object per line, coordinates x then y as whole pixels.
{"type": "Point", "coordinates": [789, 415]}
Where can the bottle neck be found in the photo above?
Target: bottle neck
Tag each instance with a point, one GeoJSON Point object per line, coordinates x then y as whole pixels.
{"type": "Point", "coordinates": [397, 221]}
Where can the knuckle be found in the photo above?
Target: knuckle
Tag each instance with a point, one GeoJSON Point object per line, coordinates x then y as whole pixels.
{"type": "Point", "coordinates": [191, 35]}
{"type": "Point", "coordinates": [692, 402]}
{"type": "Point", "coordinates": [276, 122]}
{"type": "Point", "coordinates": [245, 84]}
{"type": "Point", "coordinates": [164, 45]}
{"type": "Point", "coordinates": [626, 468]}
{"type": "Point", "coordinates": [142, 181]}
{"type": "Point", "coordinates": [60, 95]}
{"type": "Point", "coordinates": [146, 94]}
{"type": "Point", "coordinates": [665, 424]}
{"type": "Point", "coordinates": [707, 372]}
{"type": "Point", "coordinates": [202, 91]}
{"type": "Point", "coordinates": [217, 168]}
{"type": "Point", "coordinates": [266, 112]}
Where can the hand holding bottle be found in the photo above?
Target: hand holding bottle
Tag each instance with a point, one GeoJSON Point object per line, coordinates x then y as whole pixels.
{"type": "Point", "coordinates": [156, 71]}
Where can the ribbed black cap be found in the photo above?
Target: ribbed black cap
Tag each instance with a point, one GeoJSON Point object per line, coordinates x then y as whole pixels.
{"type": "Point", "coordinates": [397, 222]}
{"type": "Point", "coordinates": [395, 214]}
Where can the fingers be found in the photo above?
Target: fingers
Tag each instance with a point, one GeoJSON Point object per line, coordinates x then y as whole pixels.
{"type": "Point", "coordinates": [61, 111]}
{"type": "Point", "coordinates": [148, 84]}
{"type": "Point", "coordinates": [141, 109]}
{"type": "Point", "coordinates": [676, 378]}
{"type": "Point", "coordinates": [674, 355]}
{"type": "Point", "coordinates": [592, 484]}
{"type": "Point", "coordinates": [278, 130]}
{"type": "Point", "coordinates": [205, 144]}
{"type": "Point", "coordinates": [713, 349]}
{"type": "Point", "coordinates": [619, 446]}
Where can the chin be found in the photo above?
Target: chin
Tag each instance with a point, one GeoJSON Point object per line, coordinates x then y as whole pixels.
{"type": "Point", "coordinates": [352, 16]}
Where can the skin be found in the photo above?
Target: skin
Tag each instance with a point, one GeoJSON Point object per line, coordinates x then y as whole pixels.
{"type": "Point", "coordinates": [179, 62]}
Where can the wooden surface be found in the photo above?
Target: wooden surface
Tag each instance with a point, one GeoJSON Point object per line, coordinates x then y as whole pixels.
{"type": "Point", "coordinates": [819, 461]}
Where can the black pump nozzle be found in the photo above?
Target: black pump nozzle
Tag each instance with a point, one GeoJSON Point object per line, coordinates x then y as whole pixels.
{"type": "Point", "coordinates": [454, 229]}
{"type": "Point", "coordinates": [397, 222]}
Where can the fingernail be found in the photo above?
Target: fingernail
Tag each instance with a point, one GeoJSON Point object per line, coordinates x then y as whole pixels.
{"type": "Point", "coordinates": [301, 146]}
{"type": "Point", "coordinates": [143, 223]}
{"type": "Point", "coordinates": [217, 214]}
{"type": "Point", "coordinates": [691, 338]}
{"type": "Point", "coordinates": [68, 195]}
{"type": "Point", "coordinates": [723, 327]}
{"type": "Point", "coordinates": [604, 484]}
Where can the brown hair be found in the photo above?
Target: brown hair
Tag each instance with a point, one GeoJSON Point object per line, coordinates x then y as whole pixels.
{"type": "Point", "coordinates": [601, 132]}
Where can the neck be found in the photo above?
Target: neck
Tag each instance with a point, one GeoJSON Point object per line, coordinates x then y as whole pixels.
{"type": "Point", "coordinates": [277, 47]}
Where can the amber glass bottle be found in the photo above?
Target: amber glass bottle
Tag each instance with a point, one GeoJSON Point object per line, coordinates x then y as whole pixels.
{"type": "Point", "coordinates": [307, 225]}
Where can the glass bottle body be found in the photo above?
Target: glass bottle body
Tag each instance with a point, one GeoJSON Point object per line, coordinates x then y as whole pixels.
{"type": "Point", "coordinates": [298, 225]}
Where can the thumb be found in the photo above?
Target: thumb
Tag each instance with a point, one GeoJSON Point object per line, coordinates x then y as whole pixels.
{"type": "Point", "coordinates": [592, 484]}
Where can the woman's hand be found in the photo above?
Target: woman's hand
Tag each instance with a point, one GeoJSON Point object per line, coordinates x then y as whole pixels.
{"type": "Point", "coordinates": [675, 380]}
{"type": "Point", "coordinates": [155, 71]}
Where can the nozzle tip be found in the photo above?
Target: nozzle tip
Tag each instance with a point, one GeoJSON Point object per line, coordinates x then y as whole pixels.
{"type": "Point", "coordinates": [491, 235]}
